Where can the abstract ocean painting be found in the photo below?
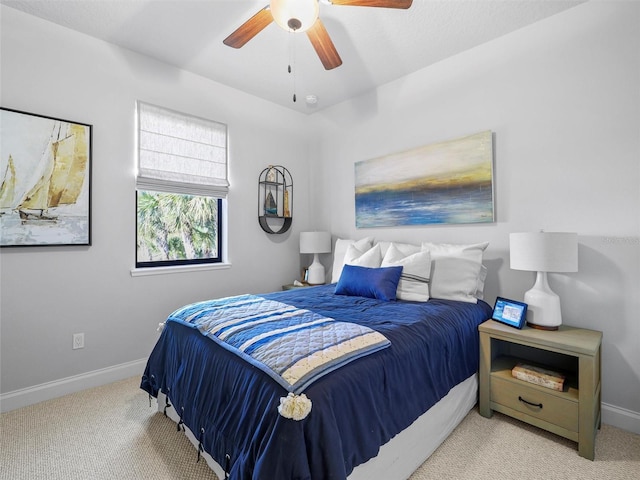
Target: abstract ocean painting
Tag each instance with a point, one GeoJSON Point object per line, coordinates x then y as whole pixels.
{"type": "Point", "coordinates": [448, 182]}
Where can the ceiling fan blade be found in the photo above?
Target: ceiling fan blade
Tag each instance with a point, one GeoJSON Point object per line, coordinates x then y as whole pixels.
{"type": "Point", "coordinates": [250, 28]}
{"type": "Point", "coordinates": [323, 45]}
{"type": "Point", "coordinates": [375, 3]}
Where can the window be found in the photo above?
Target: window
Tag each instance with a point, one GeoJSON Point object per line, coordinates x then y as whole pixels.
{"type": "Point", "coordinates": [181, 184]}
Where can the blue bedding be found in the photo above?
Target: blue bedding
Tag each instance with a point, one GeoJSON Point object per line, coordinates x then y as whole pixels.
{"type": "Point", "coordinates": [231, 405]}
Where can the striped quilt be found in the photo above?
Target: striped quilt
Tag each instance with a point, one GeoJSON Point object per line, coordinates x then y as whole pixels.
{"type": "Point", "coordinates": [294, 346]}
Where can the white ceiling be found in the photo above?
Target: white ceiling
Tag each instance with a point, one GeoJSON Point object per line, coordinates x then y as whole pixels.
{"type": "Point", "coordinates": [377, 45]}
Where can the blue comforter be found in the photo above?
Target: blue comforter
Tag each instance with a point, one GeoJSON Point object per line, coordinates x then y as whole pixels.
{"type": "Point", "coordinates": [232, 406]}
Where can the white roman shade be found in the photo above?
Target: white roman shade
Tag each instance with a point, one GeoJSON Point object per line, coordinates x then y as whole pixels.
{"type": "Point", "coordinates": [180, 153]}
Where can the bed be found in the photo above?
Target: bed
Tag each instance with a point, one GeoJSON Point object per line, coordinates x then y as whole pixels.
{"type": "Point", "coordinates": [375, 412]}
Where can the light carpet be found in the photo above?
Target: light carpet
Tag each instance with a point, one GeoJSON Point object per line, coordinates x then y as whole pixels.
{"type": "Point", "coordinates": [111, 432]}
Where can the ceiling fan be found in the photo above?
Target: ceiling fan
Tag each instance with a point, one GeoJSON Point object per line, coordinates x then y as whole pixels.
{"type": "Point", "coordinates": [302, 16]}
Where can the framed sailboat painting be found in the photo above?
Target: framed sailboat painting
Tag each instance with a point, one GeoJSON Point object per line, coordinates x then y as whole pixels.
{"type": "Point", "coordinates": [45, 175]}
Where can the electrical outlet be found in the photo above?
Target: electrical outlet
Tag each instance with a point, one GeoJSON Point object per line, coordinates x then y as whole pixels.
{"type": "Point", "coordinates": [78, 340]}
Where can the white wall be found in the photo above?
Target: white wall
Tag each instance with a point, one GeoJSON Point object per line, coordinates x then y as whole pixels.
{"type": "Point", "coordinates": [563, 99]}
{"type": "Point", "coordinates": [561, 96]}
{"type": "Point", "coordinates": [49, 293]}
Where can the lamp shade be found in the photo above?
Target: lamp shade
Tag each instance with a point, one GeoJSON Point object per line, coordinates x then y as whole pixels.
{"type": "Point", "coordinates": [544, 251]}
{"type": "Point", "coordinates": [315, 242]}
{"type": "Point", "coordinates": [296, 15]}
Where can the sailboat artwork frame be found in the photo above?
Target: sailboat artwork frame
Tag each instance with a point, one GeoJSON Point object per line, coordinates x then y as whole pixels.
{"type": "Point", "coordinates": [45, 180]}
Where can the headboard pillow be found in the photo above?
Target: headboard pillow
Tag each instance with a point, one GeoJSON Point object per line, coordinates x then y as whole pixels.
{"type": "Point", "coordinates": [340, 250]}
{"type": "Point", "coordinates": [380, 283]}
{"type": "Point", "coordinates": [414, 281]}
{"type": "Point", "coordinates": [480, 287]}
{"type": "Point", "coordinates": [455, 270]}
{"type": "Point", "coordinates": [405, 248]}
{"type": "Point", "coordinates": [371, 258]}
{"type": "Point", "coordinates": [458, 265]}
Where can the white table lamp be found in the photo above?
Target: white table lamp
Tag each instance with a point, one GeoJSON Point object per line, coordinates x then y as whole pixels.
{"type": "Point", "coordinates": [544, 252]}
{"type": "Point", "coordinates": [315, 242]}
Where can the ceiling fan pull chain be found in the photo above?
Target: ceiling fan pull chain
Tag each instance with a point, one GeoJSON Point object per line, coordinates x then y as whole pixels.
{"type": "Point", "coordinates": [295, 69]}
{"type": "Point", "coordinates": [294, 84]}
{"type": "Point", "coordinates": [292, 60]}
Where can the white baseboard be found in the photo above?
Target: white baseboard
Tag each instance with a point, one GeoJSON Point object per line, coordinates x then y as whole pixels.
{"type": "Point", "coordinates": [621, 418]}
{"type": "Point", "coordinates": [57, 388]}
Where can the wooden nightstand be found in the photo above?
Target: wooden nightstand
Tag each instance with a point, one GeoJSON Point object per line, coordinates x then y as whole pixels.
{"type": "Point", "coordinates": [573, 413]}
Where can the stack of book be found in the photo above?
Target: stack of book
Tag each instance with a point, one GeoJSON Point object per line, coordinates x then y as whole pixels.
{"type": "Point", "coordinates": [539, 376]}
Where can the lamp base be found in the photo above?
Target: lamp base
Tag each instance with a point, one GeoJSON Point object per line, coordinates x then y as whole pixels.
{"type": "Point", "coordinates": [543, 311]}
{"type": "Point", "coordinates": [316, 272]}
{"type": "Point", "coordinates": [542, 327]}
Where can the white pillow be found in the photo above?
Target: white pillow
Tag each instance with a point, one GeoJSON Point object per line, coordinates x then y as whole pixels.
{"type": "Point", "coordinates": [339, 251]}
{"type": "Point", "coordinates": [371, 258]}
{"type": "Point", "coordinates": [414, 281]}
{"type": "Point", "coordinates": [405, 248]}
{"type": "Point", "coordinates": [480, 287]}
{"type": "Point", "coordinates": [455, 270]}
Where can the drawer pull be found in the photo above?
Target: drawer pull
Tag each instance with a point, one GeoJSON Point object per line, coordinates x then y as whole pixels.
{"type": "Point", "coordinates": [539, 405]}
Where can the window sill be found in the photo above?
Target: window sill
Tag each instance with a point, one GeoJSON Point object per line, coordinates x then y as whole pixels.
{"type": "Point", "coordinates": [141, 272]}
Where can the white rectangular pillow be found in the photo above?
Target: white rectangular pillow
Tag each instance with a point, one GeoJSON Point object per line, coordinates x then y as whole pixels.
{"type": "Point", "coordinates": [416, 268]}
{"type": "Point", "coordinates": [481, 278]}
{"type": "Point", "coordinates": [455, 270]}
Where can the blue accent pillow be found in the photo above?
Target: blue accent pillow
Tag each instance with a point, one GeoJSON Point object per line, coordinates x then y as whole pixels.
{"type": "Point", "coordinates": [380, 283]}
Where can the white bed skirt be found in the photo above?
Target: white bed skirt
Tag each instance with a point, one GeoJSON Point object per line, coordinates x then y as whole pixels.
{"type": "Point", "coordinates": [405, 452]}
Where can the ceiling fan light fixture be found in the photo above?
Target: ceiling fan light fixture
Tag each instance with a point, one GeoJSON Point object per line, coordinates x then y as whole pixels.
{"type": "Point", "coordinates": [295, 15]}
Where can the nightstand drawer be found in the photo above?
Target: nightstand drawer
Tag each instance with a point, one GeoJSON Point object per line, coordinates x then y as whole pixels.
{"type": "Point", "coordinates": [559, 411]}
